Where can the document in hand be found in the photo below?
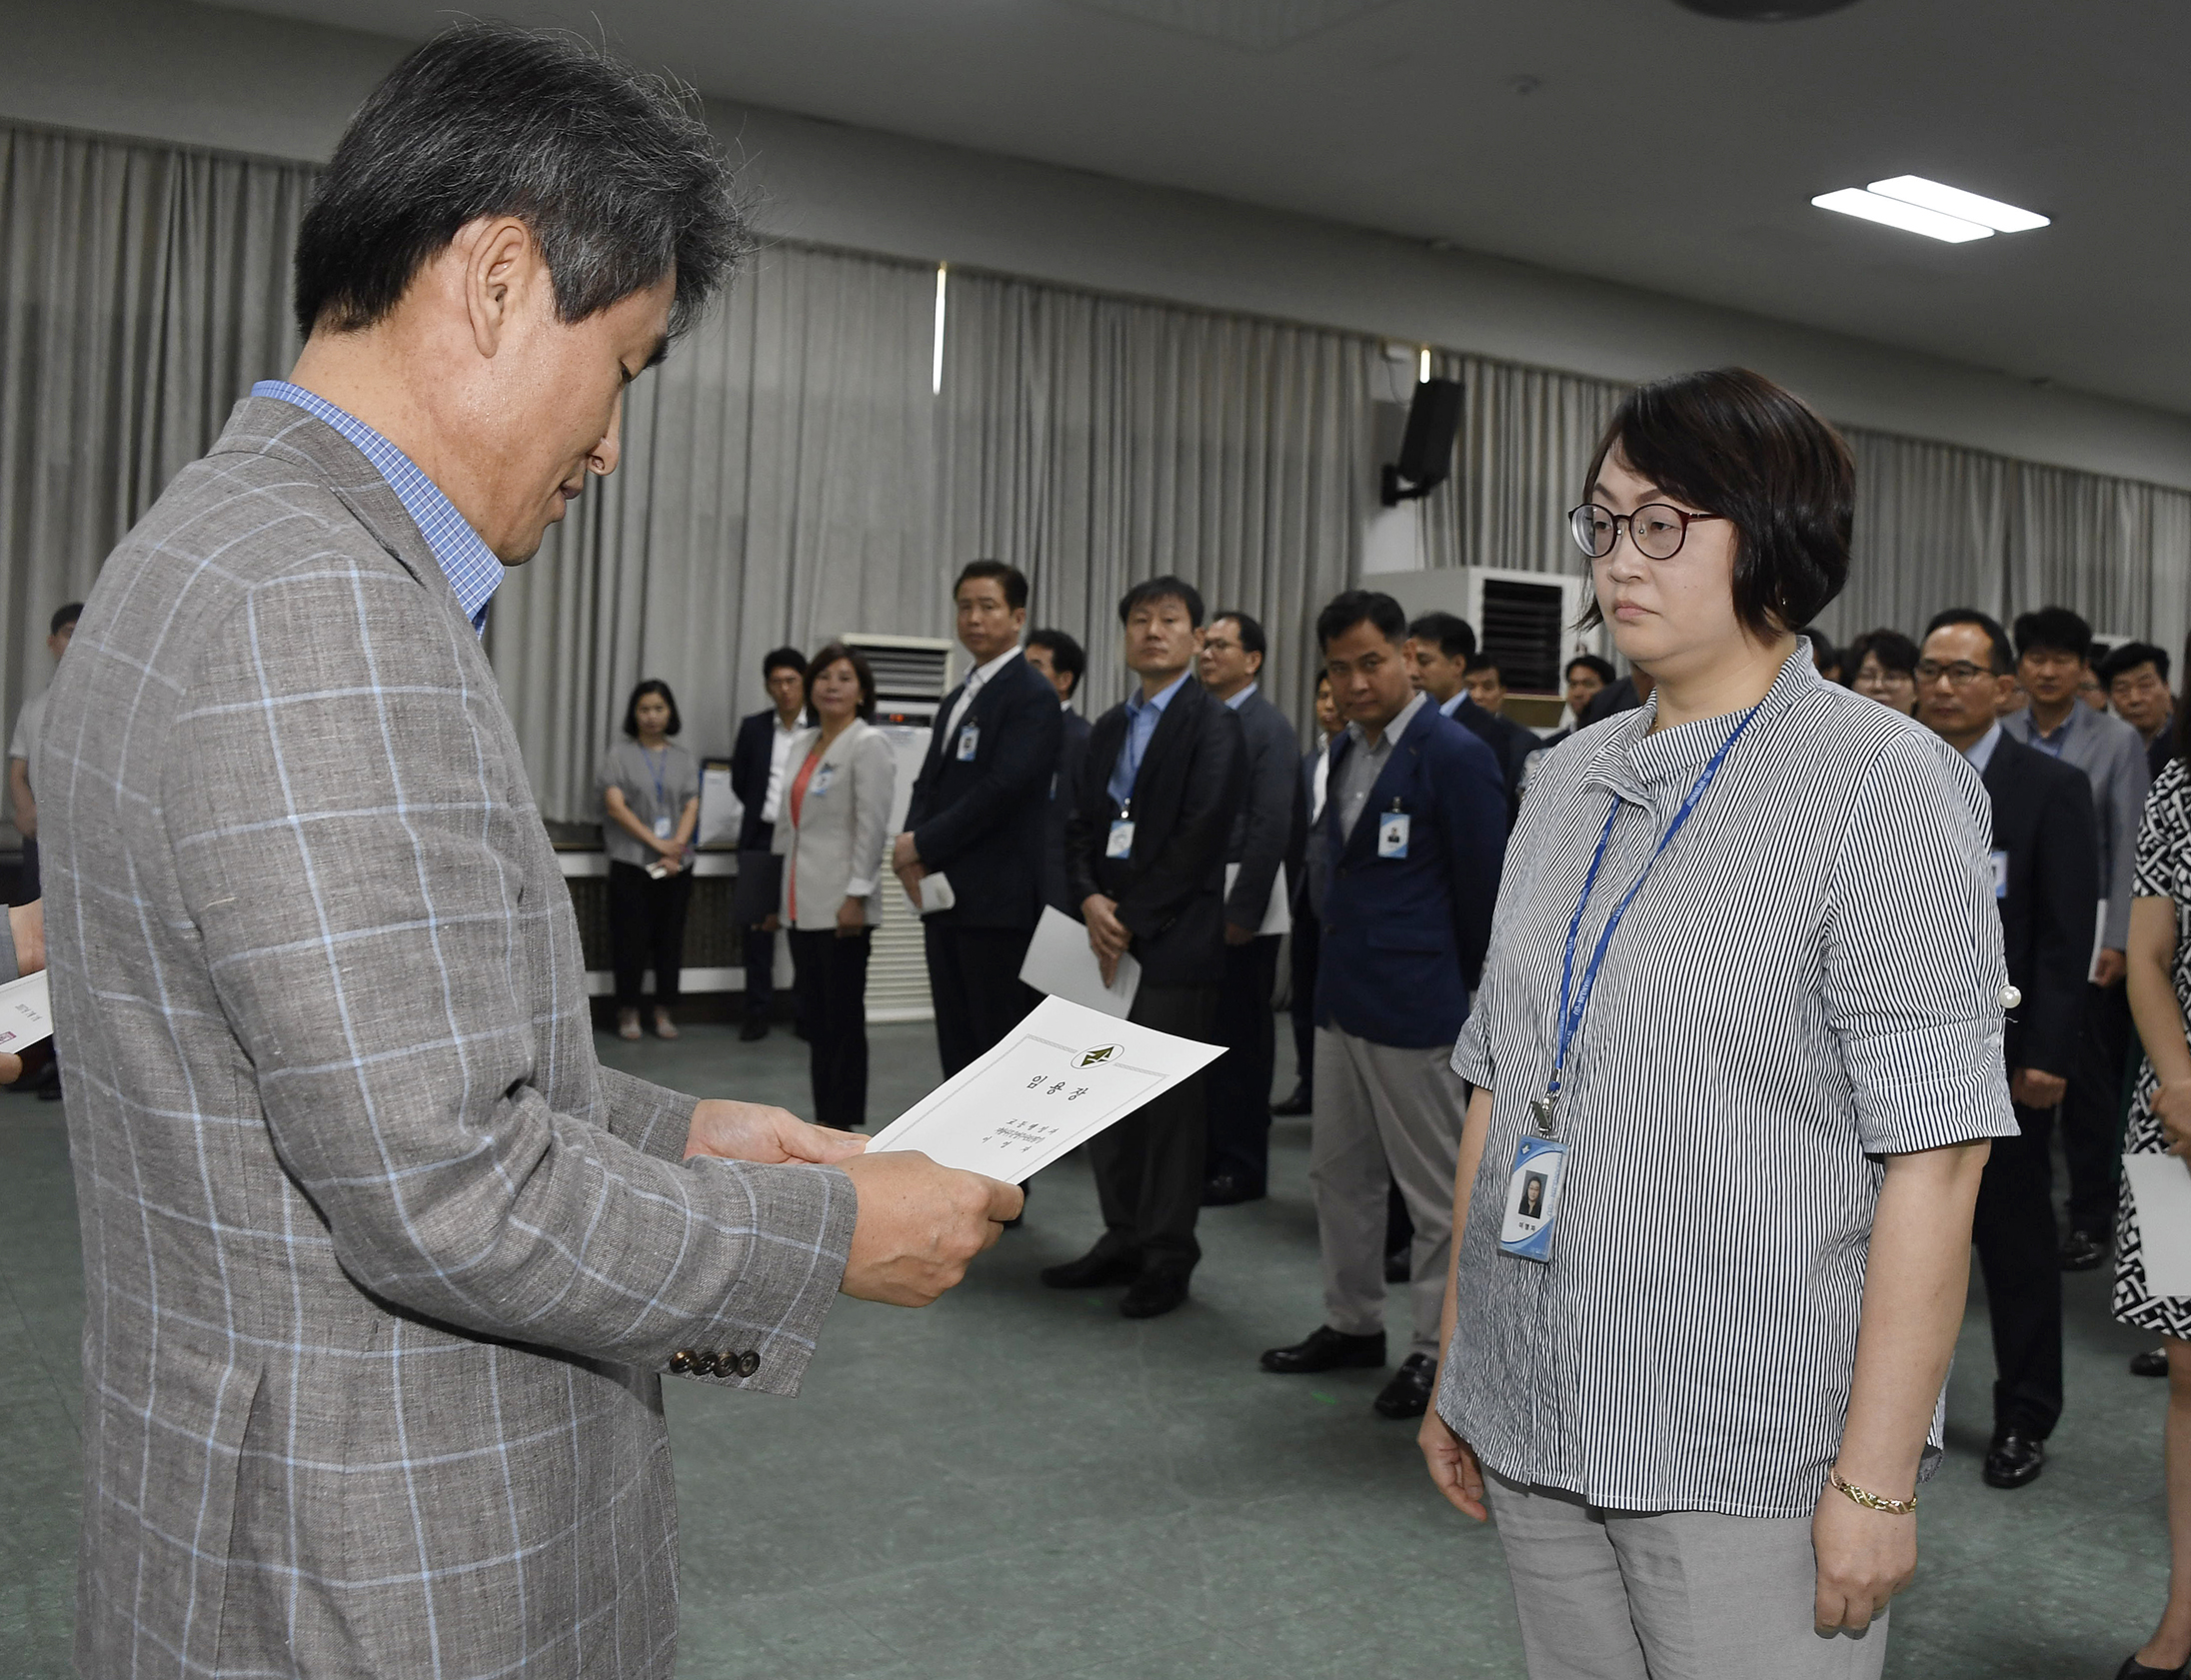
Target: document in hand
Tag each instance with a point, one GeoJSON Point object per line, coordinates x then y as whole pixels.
{"type": "Point", "coordinates": [1061, 963]}
{"type": "Point", "coordinates": [1060, 1076]}
{"type": "Point", "coordinates": [26, 1014]}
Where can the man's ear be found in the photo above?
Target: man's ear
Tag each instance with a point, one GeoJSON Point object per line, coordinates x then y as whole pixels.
{"type": "Point", "coordinates": [500, 262]}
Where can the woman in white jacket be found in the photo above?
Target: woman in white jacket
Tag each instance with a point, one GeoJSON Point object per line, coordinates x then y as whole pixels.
{"type": "Point", "coordinates": [830, 836]}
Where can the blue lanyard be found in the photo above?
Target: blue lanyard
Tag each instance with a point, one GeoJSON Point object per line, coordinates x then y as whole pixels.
{"type": "Point", "coordinates": [661, 798]}
{"type": "Point", "coordinates": [1574, 1002]}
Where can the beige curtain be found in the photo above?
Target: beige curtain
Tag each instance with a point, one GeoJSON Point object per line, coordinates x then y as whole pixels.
{"type": "Point", "coordinates": [1932, 523]}
{"type": "Point", "coordinates": [142, 290]}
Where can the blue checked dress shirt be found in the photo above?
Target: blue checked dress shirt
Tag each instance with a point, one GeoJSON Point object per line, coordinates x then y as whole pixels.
{"type": "Point", "coordinates": [1141, 717]}
{"type": "Point", "coordinates": [466, 561]}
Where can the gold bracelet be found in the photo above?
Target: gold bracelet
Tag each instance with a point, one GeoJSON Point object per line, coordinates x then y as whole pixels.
{"type": "Point", "coordinates": [1872, 1501]}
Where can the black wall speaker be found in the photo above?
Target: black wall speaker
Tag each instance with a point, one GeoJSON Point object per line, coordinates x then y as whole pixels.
{"type": "Point", "coordinates": [1427, 451]}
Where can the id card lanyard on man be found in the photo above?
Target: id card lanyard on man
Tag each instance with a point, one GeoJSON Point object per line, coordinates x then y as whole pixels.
{"type": "Point", "coordinates": [1540, 1161]}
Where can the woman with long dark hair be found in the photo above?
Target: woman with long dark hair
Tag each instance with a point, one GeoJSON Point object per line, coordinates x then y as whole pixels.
{"type": "Point", "coordinates": [650, 799]}
{"type": "Point", "coordinates": [1743, 1016]}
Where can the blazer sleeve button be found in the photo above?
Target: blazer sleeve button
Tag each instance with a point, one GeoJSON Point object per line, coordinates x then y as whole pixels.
{"type": "Point", "coordinates": [703, 1363]}
{"type": "Point", "coordinates": [748, 1362]}
{"type": "Point", "coordinates": [681, 1361]}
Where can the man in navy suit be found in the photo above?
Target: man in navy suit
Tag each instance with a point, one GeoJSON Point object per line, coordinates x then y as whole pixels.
{"type": "Point", "coordinates": [756, 778]}
{"type": "Point", "coordinates": [1441, 649]}
{"type": "Point", "coordinates": [977, 818]}
{"type": "Point", "coordinates": [1414, 826]}
{"type": "Point", "coordinates": [1057, 656]}
{"type": "Point", "coordinates": [2046, 880]}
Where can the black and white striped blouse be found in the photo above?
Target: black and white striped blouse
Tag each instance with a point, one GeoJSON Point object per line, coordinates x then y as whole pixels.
{"type": "Point", "coordinates": [1810, 980]}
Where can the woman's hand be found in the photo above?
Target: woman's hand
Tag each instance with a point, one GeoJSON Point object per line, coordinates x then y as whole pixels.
{"type": "Point", "coordinates": [1454, 1471]}
{"type": "Point", "coordinates": [672, 863]}
{"type": "Point", "coordinates": [852, 917]}
{"type": "Point", "coordinates": [2172, 1107]}
{"type": "Point", "coordinates": [1864, 1558]}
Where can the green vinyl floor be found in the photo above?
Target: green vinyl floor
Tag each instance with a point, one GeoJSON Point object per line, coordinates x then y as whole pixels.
{"type": "Point", "coordinates": [1018, 1482]}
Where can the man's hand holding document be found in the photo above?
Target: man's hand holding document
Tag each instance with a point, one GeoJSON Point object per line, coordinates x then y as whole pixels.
{"type": "Point", "coordinates": [1056, 1080]}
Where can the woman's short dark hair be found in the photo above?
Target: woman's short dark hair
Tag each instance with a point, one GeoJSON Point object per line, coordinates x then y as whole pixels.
{"type": "Point", "coordinates": [640, 690]}
{"type": "Point", "coordinates": [1894, 652]}
{"type": "Point", "coordinates": [1732, 443]}
{"type": "Point", "coordinates": [1353, 607]}
{"type": "Point", "coordinates": [613, 171]}
{"type": "Point", "coordinates": [1165, 587]}
{"type": "Point", "coordinates": [829, 655]}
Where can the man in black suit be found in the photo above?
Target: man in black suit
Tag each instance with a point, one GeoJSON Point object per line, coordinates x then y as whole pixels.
{"type": "Point", "coordinates": [976, 819]}
{"type": "Point", "coordinates": [2046, 873]}
{"type": "Point", "coordinates": [1263, 855]}
{"type": "Point", "coordinates": [1316, 768]}
{"type": "Point", "coordinates": [1057, 656]}
{"type": "Point", "coordinates": [1441, 649]}
{"type": "Point", "coordinates": [1163, 780]}
{"type": "Point", "coordinates": [757, 779]}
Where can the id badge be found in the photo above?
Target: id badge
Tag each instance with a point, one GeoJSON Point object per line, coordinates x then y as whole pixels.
{"type": "Point", "coordinates": [1393, 835]}
{"type": "Point", "coordinates": [970, 739]}
{"type": "Point", "coordinates": [1120, 843]}
{"type": "Point", "coordinates": [1532, 1198]}
{"type": "Point", "coordinates": [821, 780]}
{"type": "Point", "coordinates": [2000, 874]}
{"type": "Point", "coordinates": [662, 828]}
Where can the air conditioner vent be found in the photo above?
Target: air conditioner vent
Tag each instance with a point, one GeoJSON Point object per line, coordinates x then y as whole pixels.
{"type": "Point", "coordinates": [1524, 632]}
{"type": "Point", "coordinates": [905, 666]}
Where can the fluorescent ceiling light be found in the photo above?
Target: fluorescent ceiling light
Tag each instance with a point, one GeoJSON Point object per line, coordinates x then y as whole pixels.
{"type": "Point", "coordinates": [1896, 213]}
{"type": "Point", "coordinates": [1953, 200]}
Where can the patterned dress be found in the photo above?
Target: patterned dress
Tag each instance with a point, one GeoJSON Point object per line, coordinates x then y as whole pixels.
{"type": "Point", "coordinates": [2164, 872]}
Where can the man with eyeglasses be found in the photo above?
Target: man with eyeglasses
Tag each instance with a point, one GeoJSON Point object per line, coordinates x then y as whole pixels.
{"type": "Point", "coordinates": [2046, 885]}
{"type": "Point", "coordinates": [2053, 648]}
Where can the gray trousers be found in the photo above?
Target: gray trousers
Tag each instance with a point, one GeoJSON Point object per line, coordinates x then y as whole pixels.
{"type": "Point", "coordinates": [1682, 1595]}
{"type": "Point", "coordinates": [1383, 1116]}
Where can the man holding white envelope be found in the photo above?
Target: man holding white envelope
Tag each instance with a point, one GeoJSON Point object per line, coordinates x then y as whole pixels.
{"type": "Point", "coordinates": [1160, 787]}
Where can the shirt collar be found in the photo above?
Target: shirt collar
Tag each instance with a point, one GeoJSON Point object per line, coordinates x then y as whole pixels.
{"type": "Point", "coordinates": [464, 559]}
{"type": "Point", "coordinates": [1635, 756]}
{"type": "Point", "coordinates": [1396, 728]}
{"type": "Point", "coordinates": [984, 672]}
{"type": "Point", "coordinates": [2062, 730]}
{"type": "Point", "coordinates": [1136, 702]}
{"type": "Point", "coordinates": [1239, 700]}
{"type": "Point", "coordinates": [1447, 708]}
{"type": "Point", "coordinates": [1980, 751]}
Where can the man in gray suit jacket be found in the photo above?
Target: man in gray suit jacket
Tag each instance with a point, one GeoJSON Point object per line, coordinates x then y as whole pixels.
{"type": "Point", "coordinates": [382, 1267]}
{"type": "Point", "coordinates": [1264, 851]}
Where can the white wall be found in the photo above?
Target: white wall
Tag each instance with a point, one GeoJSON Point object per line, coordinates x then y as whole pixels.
{"type": "Point", "coordinates": [167, 70]}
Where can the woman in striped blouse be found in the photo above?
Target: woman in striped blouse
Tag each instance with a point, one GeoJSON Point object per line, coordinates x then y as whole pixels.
{"type": "Point", "coordinates": [1742, 1018]}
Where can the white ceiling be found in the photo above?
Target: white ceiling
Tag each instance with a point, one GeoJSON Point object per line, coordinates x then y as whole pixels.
{"type": "Point", "coordinates": [1625, 138]}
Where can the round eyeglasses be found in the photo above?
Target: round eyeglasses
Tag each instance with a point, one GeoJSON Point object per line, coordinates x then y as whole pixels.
{"type": "Point", "coordinates": [1657, 529]}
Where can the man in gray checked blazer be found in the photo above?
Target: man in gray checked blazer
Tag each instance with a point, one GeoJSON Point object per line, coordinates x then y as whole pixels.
{"type": "Point", "coordinates": [381, 1265]}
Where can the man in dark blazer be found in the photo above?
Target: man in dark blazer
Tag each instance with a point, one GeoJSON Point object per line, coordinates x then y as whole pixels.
{"type": "Point", "coordinates": [1263, 857]}
{"type": "Point", "coordinates": [1162, 784]}
{"type": "Point", "coordinates": [1414, 826]}
{"type": "Point", "coordinates": [976, 819]}
{"type": "Point", "coordinates": [1059, 659]}
{"type": "Point", "coordinates": [758, 777]}
{"type": "Point", "coordinates": [1441, 649]}
{"type": "Point", "coordinates": [2046, 873]}
{"type": "Point", "coordinates": [1308, 895]}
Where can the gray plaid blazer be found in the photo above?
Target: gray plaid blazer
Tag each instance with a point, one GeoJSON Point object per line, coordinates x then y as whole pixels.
{"type": "Point", "coordinates": [381, 1265]}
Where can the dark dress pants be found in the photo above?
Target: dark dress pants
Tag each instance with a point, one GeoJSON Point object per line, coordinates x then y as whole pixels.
{"type": "Point", "coordinates": [833, 1002]}
{"type": "Point", "coordinates": [1307, 945]}
{"type": "Point", "coordinates": [1148, 1167]}
{"type": "Point", "coordinates": [2092, 1111]}
{"type": "Point", "coordinates": [1240, 1080]}
{"type": "Point", "coordinates": [757, 945]}
{"type": "Point", "coordinates": [973, 981]}
{"type": "Point", "coordinates": [647, 929]}
{"type": "Point", "coordinates": [27, 889]}
{"type": "Point", "coordinates": [2019, 1253]}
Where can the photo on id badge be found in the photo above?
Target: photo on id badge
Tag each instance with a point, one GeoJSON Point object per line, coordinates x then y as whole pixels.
{"type": "Point", "coordinates": [1532, 1198]}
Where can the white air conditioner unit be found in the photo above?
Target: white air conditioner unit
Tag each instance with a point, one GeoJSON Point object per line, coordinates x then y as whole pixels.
{"type": "Point", "coordinates": [1522, 620]}
{"type": "Point", "coordinates": [912, 676]}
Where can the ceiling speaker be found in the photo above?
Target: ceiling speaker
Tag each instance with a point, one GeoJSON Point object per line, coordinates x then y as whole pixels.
{"type": "Point", "coordinates": [1765, 11]}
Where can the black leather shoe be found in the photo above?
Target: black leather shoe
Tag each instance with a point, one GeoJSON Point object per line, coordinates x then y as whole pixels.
{"type": "Point", "coordinates": [1153, 1294]}
{"type": "Point", "coordinates": [755, 1027]}
{"type": "Point", "coordinates": [1297, 1104]}
{"type": "Point", "coordinates": [1408, 1394]}
{"type": "Point", "coordinates": [2083, 1252]}
{"type": "Point", "coordinates": [1228, 1189]}
{"type": "Point", "coordinates": [1326, 1350]}
{"type": "Point", "coordinates": [2152, 1362]}
{"type": "Point", "coordinates": [2132, 1669]}
{"type": "Point", "coordinates": [1092, 1270]}
{"type": "Point", "coordinates": [2014, 1459]}
{"type": "Point", "coordinates": [1399, 1265]}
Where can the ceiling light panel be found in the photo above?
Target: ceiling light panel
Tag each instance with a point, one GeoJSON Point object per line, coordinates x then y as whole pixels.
{"type": "Point", "coordinates": [1953, 200]}
{"type": "Point", "coordinates": [1896, 213]}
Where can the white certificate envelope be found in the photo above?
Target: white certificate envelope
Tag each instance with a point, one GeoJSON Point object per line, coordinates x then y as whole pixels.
{"type": "Point", "coordinates": [1061, 963]}
{"type": "Point", "coordinates": [1278, 909]}
{"type": "Point", "coordinates": [26, 1014]}
{"type": "Point", "coordinates": [1060, 1077]}
{"type": "Point", "coordinates": [2160, 1185]}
